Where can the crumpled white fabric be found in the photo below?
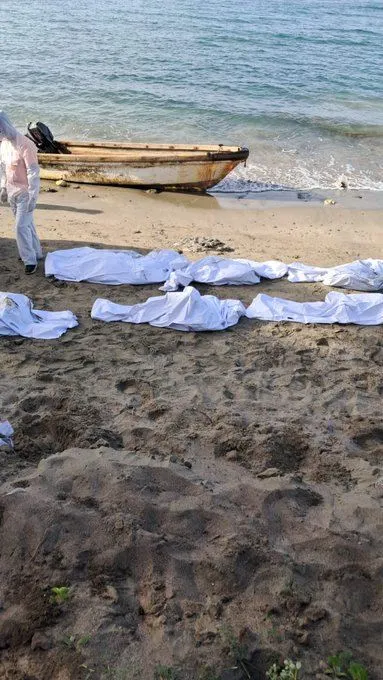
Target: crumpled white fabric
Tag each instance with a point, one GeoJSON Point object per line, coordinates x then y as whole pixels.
{"type": "Point", "coordinates": [366, 275]}
{"type": "Point", "coordinates": [17, 317]}
{"type": "Point", "coordinates": [6, 432]}
{"type": "Point", "coordinates": [112, 267]}
{"type": "Point", "coordinates": [359, 308]}
{"type": "Point", "coordinates": [220, 271]}
{"type": "Point", "coordinates": [182, 311]}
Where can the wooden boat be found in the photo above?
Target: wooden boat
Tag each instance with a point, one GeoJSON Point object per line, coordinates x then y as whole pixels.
{"type": "Point", "coordinates": [170, 167]}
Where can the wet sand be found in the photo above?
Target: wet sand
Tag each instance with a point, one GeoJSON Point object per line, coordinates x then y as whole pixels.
{"type": "Point", "coordinates": [190, 489]}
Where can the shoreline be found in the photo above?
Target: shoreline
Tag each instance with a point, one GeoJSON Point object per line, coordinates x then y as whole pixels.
{"type": "Point", "coordinates": [353, 199]}
{"type": "Point", "coordinates": [257, 228]}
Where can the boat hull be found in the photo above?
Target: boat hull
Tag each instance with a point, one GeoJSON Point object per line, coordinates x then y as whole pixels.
{"type": "Point", "coordinates": [161, 169]}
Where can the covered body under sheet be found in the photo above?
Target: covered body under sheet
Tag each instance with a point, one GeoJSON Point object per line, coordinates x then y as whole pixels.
{"type": "Point", "coordinates": [219, 271]}
{"type": "Point", "coordinates": [17, 317]}
{"type": "Point", "coordinates": [365, 275]}
{"type": "Point", "coordinates": [183, 311]}
{"type": "Point", "coordinates": [359, 308]}
{"type": "Point", "coordinates": [113, 267]}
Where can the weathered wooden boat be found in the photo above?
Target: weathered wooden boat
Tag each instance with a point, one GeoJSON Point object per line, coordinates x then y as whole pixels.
{"type": "Point", "coordinates": [170, 167]}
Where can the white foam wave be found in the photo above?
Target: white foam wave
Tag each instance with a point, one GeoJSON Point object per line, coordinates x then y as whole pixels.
{"type": "Point", "coordinates": [256, 178]}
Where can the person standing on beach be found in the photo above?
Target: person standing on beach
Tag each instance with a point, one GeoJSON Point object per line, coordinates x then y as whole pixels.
{"type": "Point", "coordinates": [20, 184]}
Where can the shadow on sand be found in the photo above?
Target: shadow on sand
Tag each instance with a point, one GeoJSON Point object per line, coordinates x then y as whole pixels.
{"type": "Point", "coordinates": [68, 208]}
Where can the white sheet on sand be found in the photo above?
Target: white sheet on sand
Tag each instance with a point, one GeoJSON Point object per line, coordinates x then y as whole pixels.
{"type": "Point", "coordinates": [182, 311]}
{"type": "Point", "coordinates": [112, 267]}
{"type": "Point", "coordinates": [116, 267]}
{"type": "Point", "coordinates": [359, 308]}
{"type": "Point", "coordinates": [17, 317]}
{"type": "Point", "coordinates": [366, 275]}
{"type": "Point", "coordinates": [6, 432]}
{"type": "Point", "coordinates": [220, 271]}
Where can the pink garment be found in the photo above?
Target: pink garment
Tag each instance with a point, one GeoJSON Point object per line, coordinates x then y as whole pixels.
{"type": "Point", "coordinates": [17, 155]}
{"type": "Point", "coordinates": [20, 184]}
{"type": "Point", "coordinates": [19, 168]}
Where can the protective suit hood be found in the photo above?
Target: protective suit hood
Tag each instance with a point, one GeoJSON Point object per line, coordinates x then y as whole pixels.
{"type": "Point", "coordinates": [7, 130]}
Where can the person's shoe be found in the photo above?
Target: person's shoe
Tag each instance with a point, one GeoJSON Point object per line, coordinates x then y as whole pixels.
{"type": "Point", "coordinates": [30, 268]}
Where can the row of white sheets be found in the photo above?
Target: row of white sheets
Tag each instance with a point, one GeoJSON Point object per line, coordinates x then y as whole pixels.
{"type": "Point", "coordinates": [17, 317]}
{"type": "Point", "coordinates": [117, 267]}
{"type": "Point", "coordinates": [190, 311]}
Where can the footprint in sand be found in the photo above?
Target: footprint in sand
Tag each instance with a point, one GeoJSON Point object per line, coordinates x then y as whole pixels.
{"type": "Point", "coordinates": [369, 445]}
{"type": "Point", "coordinates": [286, 512]}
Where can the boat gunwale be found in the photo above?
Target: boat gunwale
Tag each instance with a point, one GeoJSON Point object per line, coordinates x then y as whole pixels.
{"type": "Point", "coordinates": [142, 159]}
{"type": "Point", "coordinates": [140, 146]}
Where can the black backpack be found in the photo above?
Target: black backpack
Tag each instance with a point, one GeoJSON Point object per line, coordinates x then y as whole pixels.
{"type": "Point", "coordinates": [41, 135]}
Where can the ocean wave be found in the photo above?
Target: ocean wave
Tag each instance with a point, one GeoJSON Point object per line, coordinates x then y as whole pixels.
{"type": "Point", "coordinates": [260, 178]}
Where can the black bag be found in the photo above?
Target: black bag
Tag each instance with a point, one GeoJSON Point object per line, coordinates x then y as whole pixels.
{"type": "Point", "coordinates": [41, 135]}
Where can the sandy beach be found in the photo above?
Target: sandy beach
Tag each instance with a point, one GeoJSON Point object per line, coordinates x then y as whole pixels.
{"type": "Point", "coordinates": [212, 501]}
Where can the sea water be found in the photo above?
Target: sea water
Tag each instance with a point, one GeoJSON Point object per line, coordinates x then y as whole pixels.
{"type": "Point", "coordinates": [299, 82]}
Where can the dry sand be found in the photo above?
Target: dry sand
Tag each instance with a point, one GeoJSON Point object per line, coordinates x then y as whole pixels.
{"type": "Point", "coordinates": [138, 476]}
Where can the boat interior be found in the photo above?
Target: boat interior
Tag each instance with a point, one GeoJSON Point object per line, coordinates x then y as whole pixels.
{"type": "Point", "coordinates": [125, 152]}
{"type": "Point", "coordinates": [127, 149]}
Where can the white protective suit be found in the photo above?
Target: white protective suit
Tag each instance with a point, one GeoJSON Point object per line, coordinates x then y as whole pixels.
{"type": "Point", "coordinates": [20, 183]}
